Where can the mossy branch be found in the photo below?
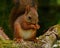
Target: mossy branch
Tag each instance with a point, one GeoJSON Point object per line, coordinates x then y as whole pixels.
{"type": "Point", "coordinates": [45, 41]}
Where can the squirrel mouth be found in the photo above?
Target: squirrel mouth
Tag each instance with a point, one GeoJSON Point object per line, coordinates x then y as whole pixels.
{"type": "Point", "coordinates": [31, 23]}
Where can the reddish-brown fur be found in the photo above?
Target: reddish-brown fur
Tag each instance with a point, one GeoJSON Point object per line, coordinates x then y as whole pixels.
{"type": "Point", "coordinates": [20, 25]}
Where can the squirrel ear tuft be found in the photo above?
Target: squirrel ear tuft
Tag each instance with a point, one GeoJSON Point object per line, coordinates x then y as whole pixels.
{"type": "Point", "coordinates": [27, 9]}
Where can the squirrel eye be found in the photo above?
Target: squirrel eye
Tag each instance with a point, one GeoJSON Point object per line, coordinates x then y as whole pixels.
{"type": "Point", "coordinates": [29, 18]}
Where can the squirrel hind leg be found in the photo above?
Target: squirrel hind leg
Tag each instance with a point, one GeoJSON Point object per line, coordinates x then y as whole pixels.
{"type": "Point", "coordinates": [18, 40]}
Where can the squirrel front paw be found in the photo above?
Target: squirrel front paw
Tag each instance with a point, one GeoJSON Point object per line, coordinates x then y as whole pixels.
{"type": "Point", "coordinates": [35, 26]}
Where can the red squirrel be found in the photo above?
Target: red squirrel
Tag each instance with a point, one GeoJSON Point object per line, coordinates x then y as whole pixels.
{"type": "Point", "coordinates": [24, 19]}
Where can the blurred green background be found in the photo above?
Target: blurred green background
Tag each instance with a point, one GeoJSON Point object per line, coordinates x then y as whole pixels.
{"type": "Point", "coordinates": [48, 10]}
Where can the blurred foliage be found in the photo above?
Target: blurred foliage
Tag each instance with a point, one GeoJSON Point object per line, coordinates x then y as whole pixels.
{"type": "Point", "coordinates": [49, 14]}
{"type": "Point", "coordinates": [5, 7]}
{"type": "Point", "coordinates": [48, 10]}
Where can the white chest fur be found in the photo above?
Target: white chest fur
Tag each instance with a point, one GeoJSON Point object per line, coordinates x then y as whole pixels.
{"type": "Point", "coordinates": [27, 33]}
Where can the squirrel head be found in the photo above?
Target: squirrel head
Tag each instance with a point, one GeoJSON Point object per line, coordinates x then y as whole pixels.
{"type": "Point", "coordinates": [31, 15]}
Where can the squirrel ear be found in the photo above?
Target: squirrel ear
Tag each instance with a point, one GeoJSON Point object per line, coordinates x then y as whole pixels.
{"type": "Point", "coordinates": [27, 9]}
{"type": "Point", "coordinates": [36, 7]}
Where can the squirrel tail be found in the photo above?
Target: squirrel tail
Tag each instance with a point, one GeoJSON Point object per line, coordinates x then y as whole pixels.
{"type": "Point", "coordinates": [15, 12]}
